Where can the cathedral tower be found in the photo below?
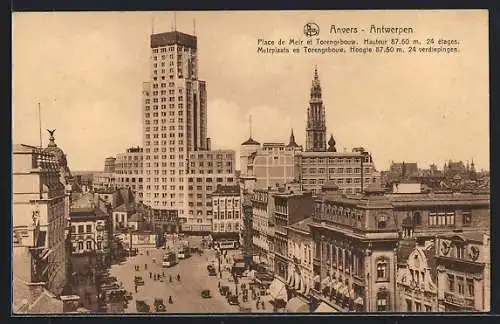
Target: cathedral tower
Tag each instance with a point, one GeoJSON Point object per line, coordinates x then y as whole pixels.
{"type": "Point", "coordinates": [316, 127]}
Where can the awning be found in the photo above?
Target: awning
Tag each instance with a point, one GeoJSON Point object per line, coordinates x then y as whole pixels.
{"type": "Point", "coordinates": [219, 236]}
{"type": "Point", "coordinates": [303, 289]}
{"type": "Point", "coordinates": [325, 282]}
{"type": "Point", "coordinates": [277, 290]}
{"type": "Point", "coordinates": [307, 288]}
{"type": "Point", "coordinates": [297, 305]}
{"type": "Point", "coordinates": [290, 278]}
{"type": "Point", "coordinates": [344, 291]}
{"type": "Point", "coordinates": [297, 281]}
{"type": "Point", "coordinates": [337, 285]}
{"type": "Point", "coordinates": [325, 308]}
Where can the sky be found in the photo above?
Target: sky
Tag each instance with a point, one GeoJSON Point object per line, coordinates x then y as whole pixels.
{"type": "Point", "coordinates": [86, 71]}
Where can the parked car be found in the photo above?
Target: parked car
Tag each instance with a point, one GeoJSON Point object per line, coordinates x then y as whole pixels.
{"type": "Point", "coordinates": [142, 306]}
{"type": "Point", "coordinates": [139, 281]}
{"type": "Point", "coordinates": [233, 300]}
{"type": "Point", "coordinates": [206, 293]}
{"type": "Point", "coordinates": [159, 305]}
{"type": "Point", "coordinates": [210, 267]}
{"type": "Point", "coordinates": [212, 272]}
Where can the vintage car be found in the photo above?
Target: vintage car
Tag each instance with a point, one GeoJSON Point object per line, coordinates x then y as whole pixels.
{"type": "Point", "coordinates": [141, 306]}
{"type": "Point", "coordinates": [233, 300]}
{"type": "Point", "coordinates": [159, 305]}
{"type": "Point", "coordinates": [139, 281]}
{"type": "Point", "coordinates": [245, 309]}
{"type": "Point", "coordinates": [206, 293]}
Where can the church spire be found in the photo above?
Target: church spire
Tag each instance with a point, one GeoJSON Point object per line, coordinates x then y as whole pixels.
{"type": "Point", "coordinates": [316, 127]}
{"type": "Point", "coordinates": [292, 142]}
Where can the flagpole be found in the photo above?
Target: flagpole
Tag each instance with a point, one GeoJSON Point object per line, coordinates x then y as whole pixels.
{"type": "Point", "coordinates": [40, 124]}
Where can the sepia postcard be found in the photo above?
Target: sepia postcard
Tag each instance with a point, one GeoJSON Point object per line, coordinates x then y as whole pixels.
{"type": "Point", "coordinates": [198, 162]}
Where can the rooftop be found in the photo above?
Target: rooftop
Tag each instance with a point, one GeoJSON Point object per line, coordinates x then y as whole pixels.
{"type": "Point", "coordinates": [173, 38]}
{"type": "Point", "coordinates": [250, 141]}
{"type": "Point", "coordinates": [22, 299]}
{"type": "Point", "coordinates": [227, 190]}
{"type": "Point", "coordinates": [330, 154]}
{"type": "Point", "coordinates": [87, 213]}
{"type": "Point", "coordinates": [125, 207]}
{"type": "Point", "coordinates": [302, 225]}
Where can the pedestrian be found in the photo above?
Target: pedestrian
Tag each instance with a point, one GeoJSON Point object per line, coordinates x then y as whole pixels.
{"type": "Point", "coordinates": [147, 252]}
{"type": "Point", "coordinates": [169, 278]}
{"type": "Point", "coordinates": [163, 274]}
{"type": "Point", "coordinates": [170, 301]}
{"type": "Point", "coordinates": [150, 275]}
{"type": "Point", "coordinates": [135, 288]}
{"type": "Point", "coordinates": [257, 304]}
{"type": "Point", "coordinates": [178, 277]}
{"type": "Point", "coordinates": [218, 285]}
{"type": "Point", "coordinates": [263, 305]}
{"type": "Point", "coordinates": [145, 266]}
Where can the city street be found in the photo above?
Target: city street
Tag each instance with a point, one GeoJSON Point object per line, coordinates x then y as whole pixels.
{"type": "Point", "coordinates": [185, 294]}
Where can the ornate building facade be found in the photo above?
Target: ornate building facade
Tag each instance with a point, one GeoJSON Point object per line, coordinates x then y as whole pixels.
{"type": "Point", "coordinates": [355, 242]}
{"type": "Point", "coordinates": [40, 212]}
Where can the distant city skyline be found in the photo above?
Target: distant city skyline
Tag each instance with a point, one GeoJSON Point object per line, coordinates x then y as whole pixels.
{"type": "Point", "coordinates": [87, 69]}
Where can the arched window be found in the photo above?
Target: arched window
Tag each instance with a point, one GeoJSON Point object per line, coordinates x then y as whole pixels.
{"type": "Point", "coordinates": [382, 269]}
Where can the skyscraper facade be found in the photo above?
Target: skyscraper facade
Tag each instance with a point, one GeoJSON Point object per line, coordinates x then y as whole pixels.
{"type": "Point", "coordinates": [175, 131]}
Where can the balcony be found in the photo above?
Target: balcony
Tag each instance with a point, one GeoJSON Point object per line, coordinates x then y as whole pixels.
{"type": "Point", "coordinates": [459, 300]}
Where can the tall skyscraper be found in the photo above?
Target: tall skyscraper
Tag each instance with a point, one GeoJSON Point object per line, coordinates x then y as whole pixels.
{"type": "Point", "coordinates": [316, 126]}
{"type": "Point", "coordinates": [175, 134]}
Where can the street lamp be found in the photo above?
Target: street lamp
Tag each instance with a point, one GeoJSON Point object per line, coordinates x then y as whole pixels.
{"type": "Point", "coordinates": [235, 277]}
{"type": "Point", "coordinates": [218, 254]}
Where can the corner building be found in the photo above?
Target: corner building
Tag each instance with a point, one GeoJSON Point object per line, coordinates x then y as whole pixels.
{"type": "Point", "coordinates": [175, 134]}
{"type": "Point", "coordinates": [41, 216]}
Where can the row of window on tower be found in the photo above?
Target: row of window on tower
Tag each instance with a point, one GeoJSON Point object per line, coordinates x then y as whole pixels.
{"type": "Point", "coordinates": [226, 214]}
{"type": "Point", "coordinates": [335, 170]}
{"type": "Point", "coordinates": [334, 160]}
{"type": "Point", "coordinates": [340, 181]}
